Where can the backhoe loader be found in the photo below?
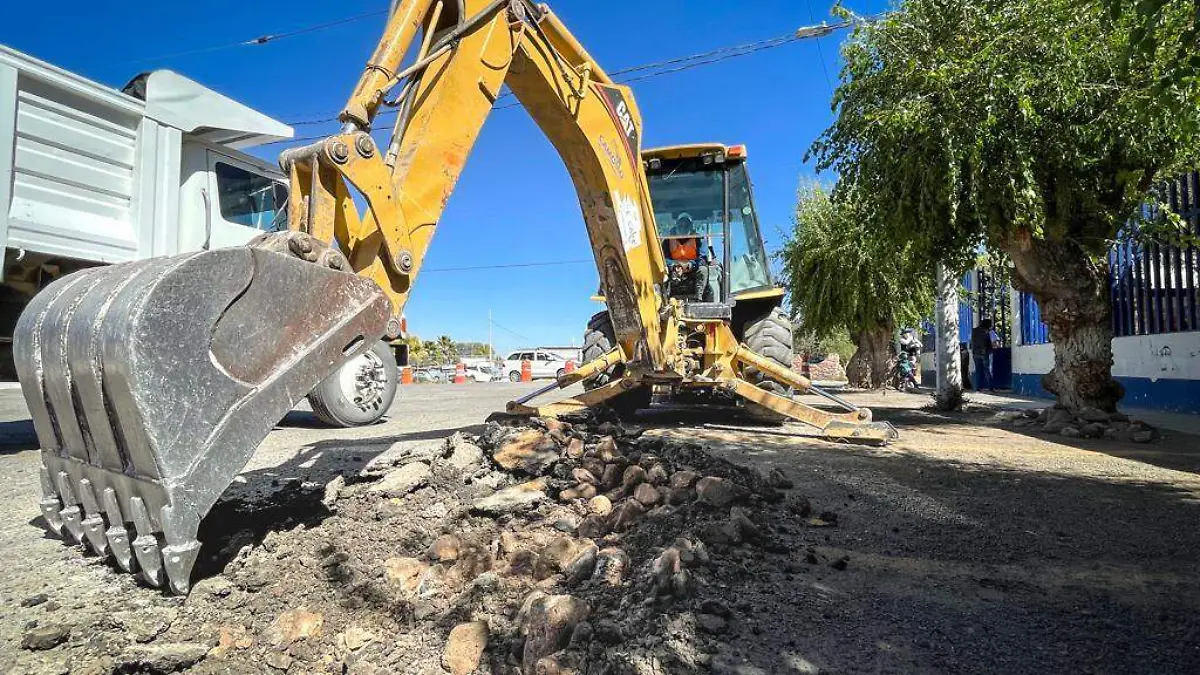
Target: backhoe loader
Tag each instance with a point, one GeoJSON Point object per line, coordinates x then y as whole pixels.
{"type": "Point", "coordinates": [151, 383]}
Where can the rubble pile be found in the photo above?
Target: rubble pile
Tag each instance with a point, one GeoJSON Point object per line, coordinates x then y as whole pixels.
{"type": "Point", "coordinates": [1083, 423]}
{"type": "Point", "coordinates": [551, 548]}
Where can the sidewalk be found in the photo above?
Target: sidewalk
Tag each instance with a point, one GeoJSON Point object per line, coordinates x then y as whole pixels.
{"type": "Point", "coordinates": [1181, 422]}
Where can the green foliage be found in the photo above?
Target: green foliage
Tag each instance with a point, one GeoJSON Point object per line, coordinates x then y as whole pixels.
{"type": "Point", "coordinates": [841, 278]}
{"type": "Point", "coordinates": [471, 348]}
{"type": "Point", "coordinates": [1179, 53]}
{"type": "Point", "coordinates": [819, 346]}
{"type": "Point", "coordinates": [1000, 121]}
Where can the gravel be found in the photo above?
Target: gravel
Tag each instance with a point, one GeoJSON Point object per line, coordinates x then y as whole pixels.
{"type": "Point", "coordinates": [972, 545]}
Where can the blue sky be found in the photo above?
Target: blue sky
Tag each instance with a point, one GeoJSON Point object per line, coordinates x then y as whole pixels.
{"type": "Point", "coordinates": [515, 202]}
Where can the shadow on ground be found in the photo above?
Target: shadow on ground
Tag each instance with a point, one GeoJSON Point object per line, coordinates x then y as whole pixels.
{"type": "Point", "coordinates": [958, 566]}
{"type": "Point", "coordinates": [282, 497]}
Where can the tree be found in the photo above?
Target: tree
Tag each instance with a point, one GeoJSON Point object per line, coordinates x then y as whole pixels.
{"type": "Point", "coordinates": [840, 277]}
{"type": "Point", "coordinates": [471, 348]}
{"type": "Point", "coordinates": [446, 350]}
{"type": "Point", "coordinates": [1028, 126]}
{"type": "Point", "coordinates": [416, 350]}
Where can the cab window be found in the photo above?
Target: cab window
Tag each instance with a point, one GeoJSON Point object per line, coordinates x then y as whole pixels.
{"type": "Point", "coordinates": [748, 267]}
{"type": "Point", "coordinates": [249, 199]}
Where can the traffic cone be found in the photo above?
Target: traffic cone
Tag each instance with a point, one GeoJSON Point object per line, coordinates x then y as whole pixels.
{"type": "Point", "coordinates": [460, 373]}
{"type": "Point", "coordinates": [527, 370]}
{"type": "Point", "coordinates": [406, 375]}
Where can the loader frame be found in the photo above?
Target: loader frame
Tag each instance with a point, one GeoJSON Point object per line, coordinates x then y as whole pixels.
{"type": "Point", "coordinates": [468, 51]}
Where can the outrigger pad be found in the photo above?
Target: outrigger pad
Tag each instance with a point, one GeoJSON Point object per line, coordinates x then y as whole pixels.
{"type": "Point", "coordinates": [151, 383]}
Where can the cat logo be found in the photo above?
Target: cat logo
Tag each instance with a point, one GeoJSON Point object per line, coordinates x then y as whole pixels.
{"type": "Point", "coordinates": [622, 115]}
{"type": "Point", "coordinates": [625, 118]}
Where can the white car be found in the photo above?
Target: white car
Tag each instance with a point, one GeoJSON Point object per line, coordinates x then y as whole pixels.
{"type": "Point", "coordinates": [545, 364]}
{"type": "Point", "coordinates": [482, 372]}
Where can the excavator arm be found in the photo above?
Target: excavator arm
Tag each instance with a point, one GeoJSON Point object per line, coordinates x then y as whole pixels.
{"type": "Point", "coordinates": [470, 51]}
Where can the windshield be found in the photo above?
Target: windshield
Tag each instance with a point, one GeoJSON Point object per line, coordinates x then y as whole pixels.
{"type": "Point", "coordinates": [687, 203]}
{"type": "Point", "coordinates": [747, 259]}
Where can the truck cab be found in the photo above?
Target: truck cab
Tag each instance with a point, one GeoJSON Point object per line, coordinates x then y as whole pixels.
{"type": "Point", "coordinates": [93, 176]}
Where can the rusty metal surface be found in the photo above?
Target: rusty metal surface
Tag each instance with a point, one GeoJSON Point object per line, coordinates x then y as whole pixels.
{"type": "Point", "coordinates": [151, 383]}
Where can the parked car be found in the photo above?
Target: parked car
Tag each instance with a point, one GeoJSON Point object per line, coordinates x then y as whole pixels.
{"type": "Point", "coordinates": [545, 364]}
{"type": "Point", "coordinates": [482, 372]}
{"type": "Point", "coordinates": [432, 375]}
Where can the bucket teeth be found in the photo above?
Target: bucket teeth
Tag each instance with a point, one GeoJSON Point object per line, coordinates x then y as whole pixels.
{"type": "Point", "coordinates": [151, 383]}
{"type": "Point", "coordinates": [93, 523]}
{"type": "Point", "coordinates": [116, 534]}
{"type": "Point", "coordinates": [72, 515]}
{"type": "Point", "coordinates": [50, 504]}
{"type": "Point", "coordinates": [145, 547]}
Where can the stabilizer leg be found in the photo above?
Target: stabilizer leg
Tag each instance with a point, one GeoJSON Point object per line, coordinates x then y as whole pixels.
{"type": "Point", "coordinates": [851, 426]}
{"type": "Point", "coordinates": [575, 404]}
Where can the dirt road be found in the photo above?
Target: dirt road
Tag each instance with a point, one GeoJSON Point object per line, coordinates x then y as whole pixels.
{"type": "Point", "coordinates": [966, 547]}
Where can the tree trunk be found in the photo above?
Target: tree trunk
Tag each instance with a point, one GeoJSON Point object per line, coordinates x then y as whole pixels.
{"type": "Point", "coordinates": [873, 360]}
{"type": "Point", "coordinates": [1071, 288]}
{"type": "Point", "coordinates": [949, 364]}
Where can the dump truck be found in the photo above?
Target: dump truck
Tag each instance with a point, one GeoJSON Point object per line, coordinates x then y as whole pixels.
{"type": "Point", "coordinates": [148, 384]}
{"type": "Point", "coordinates": [92, 176]}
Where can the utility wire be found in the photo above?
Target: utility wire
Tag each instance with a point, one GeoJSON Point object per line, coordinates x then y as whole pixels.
{"type": "Point", "coordinates": [550, 263]}
{"type": "Point", "coordinates": [512, 332]}
{"type": "Point", "coordinates": [261, 39]}
{"type": "Point", "coordinates": [680, 64]}
{"type": "Point", "coordinates": [820, 51]}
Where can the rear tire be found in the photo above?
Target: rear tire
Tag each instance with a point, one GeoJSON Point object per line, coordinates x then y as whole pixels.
{"type": "Point", "coordinates": [360, 391]}
{"type": "Point", "coordinates": [514, 376]}
{"type": "Point", "coordinates": [599, 339]}
{"type": "Point", "coordinates": [769, 335]}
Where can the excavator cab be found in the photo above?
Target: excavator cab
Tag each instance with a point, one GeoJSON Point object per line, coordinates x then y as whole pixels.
{"type": "Point", "coordinates": [708, 226]}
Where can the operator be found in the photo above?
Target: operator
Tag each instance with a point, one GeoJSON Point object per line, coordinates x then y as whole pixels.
{"type": "Point", "coordinates": [683, 249]}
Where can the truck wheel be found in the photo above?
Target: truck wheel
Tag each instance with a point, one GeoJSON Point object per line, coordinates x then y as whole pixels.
{"type": "Point", "coordinates": [599, 339]}
{"type": "Point", "coordinates": [360, 391]}
{"type": "Point", "coordinates": [514, 376]}
{"type": "Point", "coordinates": [769, 335]}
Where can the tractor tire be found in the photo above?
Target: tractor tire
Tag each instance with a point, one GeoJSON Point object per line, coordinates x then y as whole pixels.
{"type": "Point", "coordinates": [360, 391]}
{"type": "Point", "coordinates": [599, 339]}
{"type": "Point", "coordinates": [769, 335]}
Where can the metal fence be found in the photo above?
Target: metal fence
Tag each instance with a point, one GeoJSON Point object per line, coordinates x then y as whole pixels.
{"type": "Point", "coordinates": [1033, 330]}
{"type": "Point", "coordinates": [1154, 287]}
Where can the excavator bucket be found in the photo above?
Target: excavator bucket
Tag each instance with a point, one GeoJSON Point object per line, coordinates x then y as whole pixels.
{"type": "Point", "coordinates": [151, 383]}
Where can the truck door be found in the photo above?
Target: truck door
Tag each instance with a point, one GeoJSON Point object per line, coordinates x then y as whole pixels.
{"type": "Point", "coordinates": [242, 202]}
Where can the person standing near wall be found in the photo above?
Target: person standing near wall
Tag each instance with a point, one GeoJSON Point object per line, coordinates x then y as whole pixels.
{"type": "Point", "coordinates": [983, 342]}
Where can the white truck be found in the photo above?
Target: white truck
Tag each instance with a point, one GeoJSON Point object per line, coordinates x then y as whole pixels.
{"type": "Point", "coordinates": [90, 175]}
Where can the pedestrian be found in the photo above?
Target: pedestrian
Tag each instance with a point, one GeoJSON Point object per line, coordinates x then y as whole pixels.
{"type": "Point", "coordinates": [984, 341]}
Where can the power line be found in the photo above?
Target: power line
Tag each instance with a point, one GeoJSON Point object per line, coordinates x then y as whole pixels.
{"type": "Point", "coordinates": [761, 46]}
{"type": "Point", "coordinates": [820, 51]}
{"type": "Point", "coordinates": [261, 39]}
{"type": "Point", "coordinates": [551, 263]}
{"type": "Point", "coordinates": [511, 331]}
{"type": "Point", "coordinates": [680, 64]}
